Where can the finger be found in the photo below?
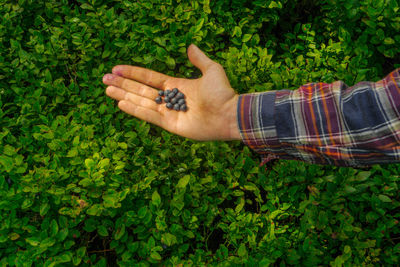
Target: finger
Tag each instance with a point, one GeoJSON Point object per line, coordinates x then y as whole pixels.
{"type": "Point", "coordinates": [142, 102]}
{"type": "Point", "coordinates": [199, 59]}
{"type": "Point", "coordinates": [120, 94]}
{"type": "Point", "coordinates": [130, 86]}
{"type": "Point", "coordinates": [142, 75]}
{"type": "Point", "coordinates": [140, 112]}
{"type": "Point", "coordinates": [115, 92]}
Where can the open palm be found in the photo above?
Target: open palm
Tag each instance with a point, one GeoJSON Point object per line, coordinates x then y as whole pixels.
{"type": "Point", "coordinates": [211, 101]}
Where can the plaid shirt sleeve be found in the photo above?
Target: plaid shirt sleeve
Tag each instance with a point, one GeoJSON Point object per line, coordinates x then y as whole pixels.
{"type": "Point", "coordinates": [325, 123]}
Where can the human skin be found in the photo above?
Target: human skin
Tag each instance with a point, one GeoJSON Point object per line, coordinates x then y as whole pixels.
{"type": "Point", "coordinates": [211, 101]}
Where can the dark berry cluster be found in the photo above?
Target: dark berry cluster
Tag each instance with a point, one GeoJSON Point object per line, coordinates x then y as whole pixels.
{"type": "Point", "coordinates": [173, 99]}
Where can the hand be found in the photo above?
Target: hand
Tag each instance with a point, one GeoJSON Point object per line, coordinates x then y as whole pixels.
{"type": "Point", "coordinates": [211, 101]}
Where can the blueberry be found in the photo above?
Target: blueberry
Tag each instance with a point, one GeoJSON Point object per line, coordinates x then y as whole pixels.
{"type": "Point", "coordinates": [180, 95]}
{"type": "Point", "coordinates": [166, 99]}
{"type": "Point", "coordinates": [172, 94]}
{"type": "Point", "coordinates": [174, 100]}
{"type": "Point", "coordinates": [175, 90]}
{"type": "Point", "coordinates": [158, 100]}
{"type": "Point", "coordinates": [161, 93]}
{"type": "Point", "coordinates": [166, 93]}
{"type": "Point", "coordinates": [183, 107]}
{"type": "Point", "coordinates": [176, 106]}
{"type": "Point", "coordinates": [181, 101]}
{"type": "Point", "coordinates": [9, 181]}
{"type": "Point", "coordinates": [169, 105]}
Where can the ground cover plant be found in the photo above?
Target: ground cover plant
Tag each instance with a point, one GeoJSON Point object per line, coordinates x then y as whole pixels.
{"type": "Point", "coordinates": [83, 184]}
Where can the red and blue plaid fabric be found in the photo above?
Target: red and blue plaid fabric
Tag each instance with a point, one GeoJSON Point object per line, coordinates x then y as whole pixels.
{"type": "Point", "coordinates": [325, 123]}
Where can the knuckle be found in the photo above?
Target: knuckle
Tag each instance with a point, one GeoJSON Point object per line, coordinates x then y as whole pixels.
{"type": "Point", "coordinates": [123, 82]}
{"type": "Point", "coordinates": [164, 85]}
{"type": "Point", "coordinates": [150, 78]}
{"type": "Point", "coordinates": [215, 66]}
{"type": "Point", "coordinates": [218, 66]}
{"type": "Point", "coordinates": [142, 90]}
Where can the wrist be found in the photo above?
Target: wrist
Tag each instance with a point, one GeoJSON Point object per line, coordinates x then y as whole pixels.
{"type": "Point", "coordinates": [230, 112]}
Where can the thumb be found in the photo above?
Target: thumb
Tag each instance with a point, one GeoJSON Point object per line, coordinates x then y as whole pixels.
{"type": "Point", "coordinates": [198, 58]}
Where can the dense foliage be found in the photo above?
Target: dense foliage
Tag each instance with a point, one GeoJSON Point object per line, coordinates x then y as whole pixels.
{"type": "Point", "coordinates": [82, 183]}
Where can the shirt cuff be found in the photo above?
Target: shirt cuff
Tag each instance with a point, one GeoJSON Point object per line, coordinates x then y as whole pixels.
{"type": "Point", "coordinates": [256, 120]}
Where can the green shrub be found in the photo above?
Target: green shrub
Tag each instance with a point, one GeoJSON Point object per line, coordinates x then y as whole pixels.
{"type": "Point", "coordinates": [82, 183]}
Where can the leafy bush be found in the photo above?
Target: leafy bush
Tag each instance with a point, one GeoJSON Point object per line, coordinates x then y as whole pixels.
{"type": "Point", "coordinates": [81, 183]}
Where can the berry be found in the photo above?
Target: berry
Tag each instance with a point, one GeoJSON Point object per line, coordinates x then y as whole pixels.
{"type": "Point", "coordinates": [180, 95]}
{"type": "Point", "coordinates": [183, 107]}
{"type": "Point", "coordinates": [181, 101]}
{"type": "Point", "coordinates": [174, 100]}
{"type": "Point", "coordinates": [175, 90]}
{"type": "Point", "coordinates": [166, 99]}
{"type": "Point", "coordinates": [176, 106]}
{"type": "Point", "coordinates": [161, 93]}
{"type": "Point", "coordinates": [169, 105]}
{"type": "Point", "coordinates": [158, 100]}
{"type": "Point", "coordinates": [166, 93]}
{"type": "Point", "coordinates": [172, 94]}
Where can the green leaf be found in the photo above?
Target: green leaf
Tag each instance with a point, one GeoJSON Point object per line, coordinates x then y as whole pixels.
{"type": "Point", "coordinates": [170, 62]}
{"type": "Point", "coordinates": [66, 257]}
{"type": "Point", "coordinates": [103, 163]}
{"type": "Point", "coordinates": [183, 181]}
{"type": "Point", "coordinates": [142, 212]}
{"type": "Point", "coordinates": [384, 198]}
{"type": "Point", "coordinates": [106, 53]}
{"type": "Point", "coordinates": [62, 234]}
{"type": "Point", "coordinates": [14, 236]}
{"type": "Point", "coordinates": [33, 241]}
{"type": "Point", "coordinates": [199, 25]}
{"type": "Point", "coordinates": [349, 189]}
{"type": "Point", "coordinates": [242, 251]}
{"type": "Point", "coordinates": [276, 78]}
{"type": "Point", "coordinates": [246, 37]}
{"type": "Point", "coordinates": [9, 150]}
{"type": "Point", "coordinates": [44, 208]}
{"type": "Point", "coordinates": [72, 153]}
{"type": "Point", "coordinates": [240, 206]}
{"type": "Point", "coordinates": [27, 203]}
{"type": "Point", "coordinates": [6, 162]}
{"type": "Point", "coordinates": [161, 52]}
{"type": "Point", "coordinates": [89, 163]}
{"type": "Point", "coordinates": [120, 232]}
{"type": "Point", "coordinates": [155, 256]}
{"type": "Point", "coordinates": [273, 4]}
{"type": "Point", "coordinates": [102, 230]}
{"type": "Point", "coordinates": [168, 239]}
{"type": "Point", "coordinates": [48, 242]}
{"type": "Point", "coordinates": [237, 31]}
{"type": "Point", "coordinates": [75, 142]}
{"type": "Point", "coordinates": [155, 198]}
{"type": "Point", "coordinates": [362, 176]}
{"type": "Point", "coordinates": [80, 252]}
{"type": "Point", "coordinates": [53, 228]}
{"type": "Point", "coordinates": [94, 210]}
{"type": "Point", "coordinates": [122, 145]}
{"type": "Point", "coordinates": [388, 41]}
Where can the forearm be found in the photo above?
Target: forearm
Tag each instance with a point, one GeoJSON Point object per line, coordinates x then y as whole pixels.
{"type": "Point", "coordinates": [325, 123]}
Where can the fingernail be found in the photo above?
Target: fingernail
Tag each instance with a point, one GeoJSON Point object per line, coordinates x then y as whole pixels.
{"type": "Point", "coordinates": [117, 70]}
{"type": "Point", "coordinates": [108, 77]}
